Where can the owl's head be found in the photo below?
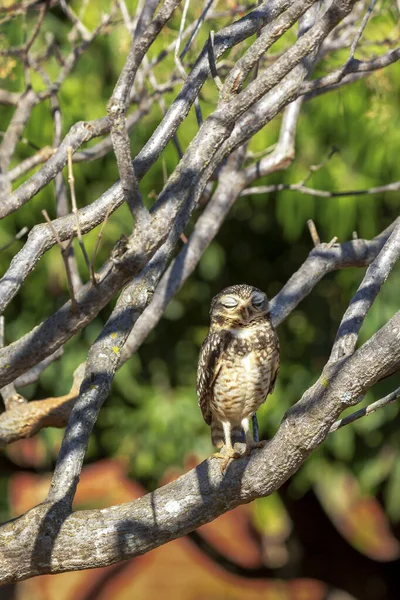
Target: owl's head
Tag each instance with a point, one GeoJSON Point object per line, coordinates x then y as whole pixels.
{"type": "Point", "coordinates": [239, 306]}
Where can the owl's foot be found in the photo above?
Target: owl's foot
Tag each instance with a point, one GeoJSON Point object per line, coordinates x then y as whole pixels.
{"type": "Point", "coordinates": [226, 458]}
{"type": "Point", "coordinates": [250, 445]}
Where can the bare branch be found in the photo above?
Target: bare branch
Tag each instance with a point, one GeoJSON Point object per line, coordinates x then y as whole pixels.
{"type": "Point", "coordinates": [211, 60]}
{"type": "Point", "coordinates": [226, 38]}
{"type": "Point", "coordinates": [80, 133]}
{"type": "Point", "coordinates": [313, 232]}
{"type": "Point", "coordinates": [26, 420]}
{"type": "Point", "coordinates": [361, 30]}
{"type": "Point", "coordinates": [368, 410]}
{"type": "Point", "coordinates": [30, 163]}
{"type": "Point", "coordinates": [64, 254]}
{"type": "Point", "coordinates": [302, 189]}
{"type": "Point", "coordinates": [68, 11]}
{"type": "Point", "coordinates": [75, 212]}
{"type": "Point", "coordinates": [376, 275]}
{"type": "Point", "coordinates": [320, 261]}
{"type": "Point", "coordinates": [16, 237]}
{"type": "Point", "coordinates": [20, 117]}
{"type": "Point", "coordinates": [119, 102]}
{"type": "Point", "coordinates": [352, 67]}
{"type": "Point", "coordinates": [33, 374]}
{"type": "Point", "coordinates": [269, 35]}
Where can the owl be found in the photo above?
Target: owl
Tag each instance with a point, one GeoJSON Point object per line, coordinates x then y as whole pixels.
{"type": "Point", "coordinates": [238, 366]}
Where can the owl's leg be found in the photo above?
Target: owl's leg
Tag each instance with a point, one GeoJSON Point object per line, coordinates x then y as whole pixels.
{"type": "Point", "coordinates": [228, 453]}
{"type": "Point", "coordinates": [255, 428]}
{"type": "Point", "coordinates": [250, 443]}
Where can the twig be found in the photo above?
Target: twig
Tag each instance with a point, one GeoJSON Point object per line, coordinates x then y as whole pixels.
{"type": "Point", "coordinates": [361, 29]}
{"type": "Point", "coordinates": [16, 237]}
{"type": "Point", "coordinates": [162, 104]}
{"type": "Point", "coordinates": [33, 374]}
{"type": "Point", "coordinates": [84, 32]}
{"type": "Point", "coordinates": [179, 38]}
{"type": "Point", "coordinates": [30, 163]}
{"type": "Point", "coordinates": [332, 242]}
{"type": "Point", "coordinates": [179, 63]}
{"type": "Point", "coordinates": [196, 29]}
{"type": "Point", "coordinates": [125, 15]}
{"type": "Point", "coordinates": [10, 396]}
{"type": "Point", "coordinates": [211, 59]}
{"type": "Point", "coordinates": [314, 168]}
{"type": "Point", "coordinates": [313, 232]}
{"type": "Point", "coordinates": [64, 254]}
{"type": "Point", "coordinates": [62, 205]}
{"type": "Point", "coordinates": [343, 74]}
{"type": "Point", "coordinates": [363, 412]}
{"type": "Point", "coordinates": [71, 182]}
{"type": "Point", "coordinates": [269, 35]}
{"type": "Point", "coordinates": [296, 187]}
{"type": "Point", "coordinates": [99, 237]}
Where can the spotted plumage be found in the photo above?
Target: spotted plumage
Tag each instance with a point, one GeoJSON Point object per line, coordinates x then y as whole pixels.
{"type": "Point", "coordinates": [238, 365]}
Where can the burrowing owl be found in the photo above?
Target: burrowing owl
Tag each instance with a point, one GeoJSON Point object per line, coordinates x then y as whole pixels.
{"type": "Point", "coordinates": [238, 365]}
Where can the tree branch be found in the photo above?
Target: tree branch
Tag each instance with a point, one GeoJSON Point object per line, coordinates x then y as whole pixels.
{"type": "Point", "coordinates": [23, 421]}
{"type": "Point", "coordinates": [376, 275]}
{"type": "Point", "coordinates": [119, 102]}
{"type": "Point", "coordinates": [302, 189]}
{"type": "Point", "coordinates": [368, 410]}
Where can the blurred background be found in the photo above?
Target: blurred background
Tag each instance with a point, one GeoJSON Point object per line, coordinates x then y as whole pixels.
{"type": "Point", "coordinates": [333, 530]}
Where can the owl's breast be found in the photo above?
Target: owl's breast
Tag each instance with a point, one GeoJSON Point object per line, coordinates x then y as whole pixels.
{"type": "Point", "coordinates": [244, 378]}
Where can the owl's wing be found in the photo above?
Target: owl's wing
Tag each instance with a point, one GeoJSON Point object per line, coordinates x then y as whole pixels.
{"type": "Point", "coordinates": [208, 368]}
{"type": "Point", "coordinates": [275, 369]}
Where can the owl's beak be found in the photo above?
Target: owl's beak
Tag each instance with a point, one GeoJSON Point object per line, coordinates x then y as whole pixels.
{"type": "Point", "coordinates": [245, 313]}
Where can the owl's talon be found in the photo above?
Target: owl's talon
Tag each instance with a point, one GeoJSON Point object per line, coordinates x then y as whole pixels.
{"type": "Point", "coordinates": [251, 446]}
{"type": "Point", "coordinates": [226, 458]}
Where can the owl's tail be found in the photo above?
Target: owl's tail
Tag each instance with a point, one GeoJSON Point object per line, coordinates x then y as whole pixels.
{"type": "Point", "coordinates": [217, 434]}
